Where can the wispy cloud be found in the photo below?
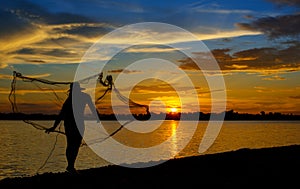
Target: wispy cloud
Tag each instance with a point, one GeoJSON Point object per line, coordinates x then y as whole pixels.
{"type": "Point", "coordinates": [225, 34]}
{"type": "Point", "coordinates": [275, 77]}
{"type": "Point", "coordinates": [32, 91]}
{"type": "Point", "coordinates": [4, 76]}
{"type": "Point", "coordinates": [223, 11]}
{"type": "Point", "coordinates": [150, 50]}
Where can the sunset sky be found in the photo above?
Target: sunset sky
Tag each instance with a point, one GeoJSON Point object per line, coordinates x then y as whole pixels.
{"type": "Point", "coordinates": [255, 42]}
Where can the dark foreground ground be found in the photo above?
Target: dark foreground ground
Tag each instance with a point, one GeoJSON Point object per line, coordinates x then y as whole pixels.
{"type": "Point", "coordinates": [256, 168]}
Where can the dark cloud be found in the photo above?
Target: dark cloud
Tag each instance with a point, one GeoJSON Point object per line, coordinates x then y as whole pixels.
{"type": "Point", "coordinates": [295, 3]}
{"type": "Point", "coordinates": [220, 55]}
{"type": "Point", "coordinates": [295, 97]}
{"type": "Point", "coordinates": [35, 13]}
{"type": "Point", "coordinates": [65, 18]}
{"type": "Point", "coordinates": [124, 71]}
{"type": "Point", "coordinates": [277, 26]}
{"type": "Point", "coordinates": [48, 52]}
{"type": "Point", "coordinates": [59, 53]}
{"type": "Point", "coordinates": [23, 16]}
{"type": "Point", "coordinates": [27, 51]}
{"type": "Point", "coordinates": [257, 58]}
{"type": "Point", "coordinates": [86, 30]}
{"type": "Point", "coordinates": [12, 24]}
{"type": "Point", "coordinates": [35, 61]}
{"type": "Point", "coordinates": [17, 17]}
{"type": "Point", "coordinates": [273, 27]}
{"type": "Point", "coordinates": [61, 42]}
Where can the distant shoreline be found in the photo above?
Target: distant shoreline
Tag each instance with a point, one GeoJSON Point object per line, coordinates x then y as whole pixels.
{"type": "Point", "coordinates": [228, 115]}
{"type": "Point", "coordinates": [253, 168]}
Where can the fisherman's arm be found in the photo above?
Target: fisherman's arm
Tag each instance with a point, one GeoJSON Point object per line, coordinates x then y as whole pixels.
{"type": "Point", "coordinates": [56, 123]}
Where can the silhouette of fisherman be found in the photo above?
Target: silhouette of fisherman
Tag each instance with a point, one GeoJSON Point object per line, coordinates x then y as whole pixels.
{"type": "Point", "coordinates": [74, 128]}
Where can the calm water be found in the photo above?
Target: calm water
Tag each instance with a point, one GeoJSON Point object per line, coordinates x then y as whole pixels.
{"type": "Point", "coordinates": [23, 149]}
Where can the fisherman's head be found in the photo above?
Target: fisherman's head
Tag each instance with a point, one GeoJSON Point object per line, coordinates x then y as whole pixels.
{"type": "Point", "coordinates": [109, 79]}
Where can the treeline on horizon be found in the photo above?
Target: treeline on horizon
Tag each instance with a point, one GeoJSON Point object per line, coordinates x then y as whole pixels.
{"type": "Point", "coordinates": [227, 115]}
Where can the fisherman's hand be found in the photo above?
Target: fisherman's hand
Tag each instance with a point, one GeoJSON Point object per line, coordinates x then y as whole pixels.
{"type": "Point", "coordinates": [51, 129]}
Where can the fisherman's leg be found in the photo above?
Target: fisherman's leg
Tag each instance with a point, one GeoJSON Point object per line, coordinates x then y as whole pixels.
{"type": "Point", "coordinates": [72, 152]}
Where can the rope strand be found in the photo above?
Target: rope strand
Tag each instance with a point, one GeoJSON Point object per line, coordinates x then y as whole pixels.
{"type": "Point", "coordinates": [51, 152]}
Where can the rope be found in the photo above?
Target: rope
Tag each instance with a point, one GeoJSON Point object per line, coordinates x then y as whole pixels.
{"type": "Point", "coordinates": [130, 102]}
{"type": "Point", "coordinates": [110, 135]}
{"type": "Point", "coordinates": [108, 89]}
{"type": "Point", "coordinates": [51, 152]}
{"type": "Point", "coordinates": [12, 94]}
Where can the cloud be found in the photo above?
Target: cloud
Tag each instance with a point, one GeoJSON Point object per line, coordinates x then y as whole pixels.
{"type": "Point", "coordinates": [47, 55]}
{"type": "Point", "coordinates": [48, 43]}
{"type": "Point", "coordinates": [235, 66]}
{"type": "Point", "coordinates": [295, 3]}
{"type": "Point", "coordinates": [295, 97]}
{"type": "Point", "coordinates": [46, 51]}
{"type": "Point", "coordinates": [16, 32]}
{"type": "Point", "coordinates": [262, 102]}
{"type": "Point", "coordinates": [254, 60]}
{"type": "Point", "coordinates": [35, 61]}
{"type": "Point", "coordinates": [12, 25]}
{"type": "Point", "coordinates": [275, 77]}
{"type": "Point", "coordinates": [124, 71]}
{"type": "Point", "coordinates": [87, 30]}
{"type": "Point", "coordinates": [32, 91]}
{"type": "Point", "coordinates": [3, 65]}
{"type": "Point", "coordinates": [155, 88]}
{"type": "Point", "coordinates": [5, 76]}
{"type": "Point", "coordinates": [39, 75]}
{"type": "Point", "coordinates": [279, 26]}
{"type": "Point", "coordinates": [63, 41]}
{"type": "Point", "coordinates": [33, 34]}
{"type": "Point", "coordinates": [216, 33]}
{"type": "Point", "coordinates": [150, 50]}
{"type": "Point", "coordinates": [224, 11]}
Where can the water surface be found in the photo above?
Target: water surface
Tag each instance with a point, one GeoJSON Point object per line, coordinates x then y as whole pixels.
{"type": "Point", "coordinates": [24, 149]}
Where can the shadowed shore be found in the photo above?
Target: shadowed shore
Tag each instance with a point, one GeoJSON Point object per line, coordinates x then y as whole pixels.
{"type": "Point", "coordinates": [245, 168]}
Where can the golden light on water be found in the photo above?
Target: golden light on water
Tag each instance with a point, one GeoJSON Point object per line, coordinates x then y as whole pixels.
{"type": "Point", "coordinates": [173, 146]}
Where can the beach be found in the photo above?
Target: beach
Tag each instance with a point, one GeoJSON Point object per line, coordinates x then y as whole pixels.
{"type": "Point", "coordinates": [244, 168]}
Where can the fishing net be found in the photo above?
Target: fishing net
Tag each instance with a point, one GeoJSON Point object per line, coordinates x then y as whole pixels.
{"type": "Point", "coordinates": [33, 99]}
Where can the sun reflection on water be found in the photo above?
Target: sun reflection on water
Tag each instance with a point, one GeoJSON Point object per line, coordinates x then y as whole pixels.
{"type": "Point", "coordinates": [173, 145]}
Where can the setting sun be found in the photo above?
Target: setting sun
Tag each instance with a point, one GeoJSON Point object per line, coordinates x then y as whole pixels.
{"type": "Point", "coordinates": [173, 110]}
